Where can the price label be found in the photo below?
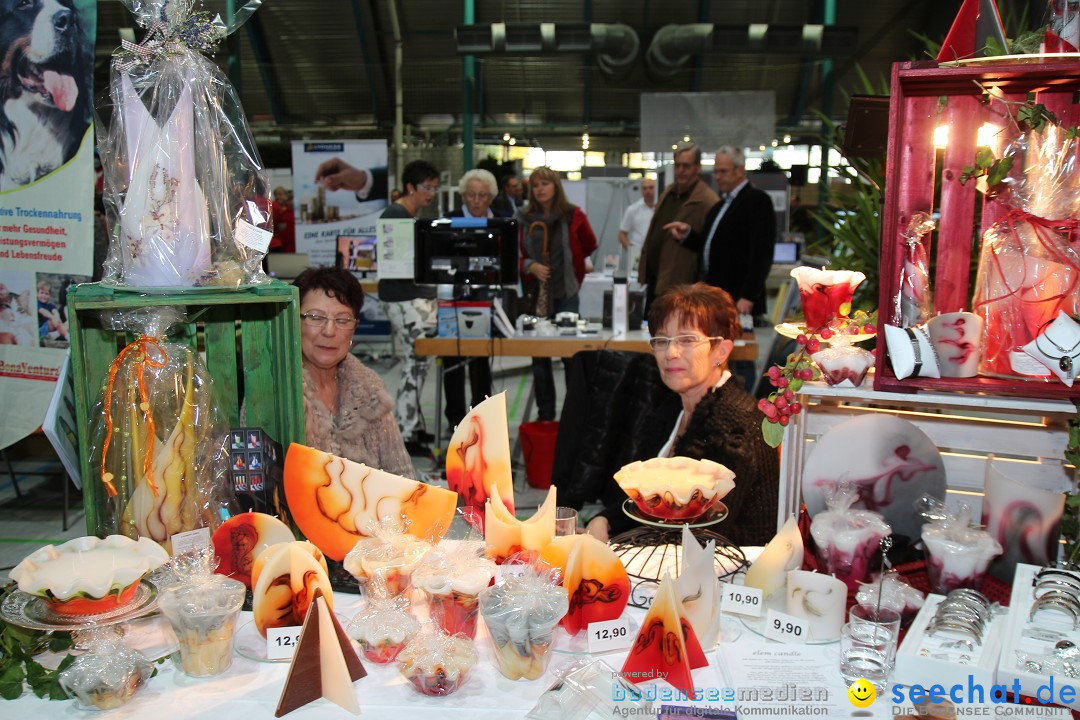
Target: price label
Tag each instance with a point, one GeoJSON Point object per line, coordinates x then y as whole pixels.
{"type": "Point", "coordinates": [190, 540]}
{"type": "Point", "coordinates": [505, 572]}
{"type": "Point", "coordinates": [609, 635]}
{"type": "Point", "coordinates": [786, 628]}
{"type": "Point", "coordinates": [281, 642]}
{"type": "Point", "coordinates": [742, 600]}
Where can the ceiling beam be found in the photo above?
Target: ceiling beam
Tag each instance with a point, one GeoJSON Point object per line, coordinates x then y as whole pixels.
{"type": "Point", "coordinates": [365, 54]}
{"type": "Point", "coordinates": [259, 48]}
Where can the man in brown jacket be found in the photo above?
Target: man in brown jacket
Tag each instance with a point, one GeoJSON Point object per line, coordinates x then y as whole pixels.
{"type": "Point", "coordinates": [664, 261]}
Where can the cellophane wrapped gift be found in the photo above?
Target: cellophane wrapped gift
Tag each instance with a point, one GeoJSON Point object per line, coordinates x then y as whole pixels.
{"type": "Point", "coordinates": [452, 576]}
{"type": "Point", "coordinates": [436, 663]}
{"type": "Point", "coordinates": [1029, 267]}
{"type": "Point", "coordinates": [202, 608]}
{"type": "Point", "coordinates": [521, 615]}
{"type": "Point", "coordinates": [957, 554]}
{"type": "Point", "coordinates": [847, 540]}
{"type": "Point", "coordinates": [108, 674]}
{"type": "Point", "coordinates": [383, 627]}
{"type": "Point", "coordinates": [895, 594]}
{"type": "Point", "coordinates": [913, 304]}
{"type": "Point", "coordinates": [383, 562]}
{"type": "Point", "coordinates": [158, 435]}
{"type": "Point", "coordinates": [185, 191]}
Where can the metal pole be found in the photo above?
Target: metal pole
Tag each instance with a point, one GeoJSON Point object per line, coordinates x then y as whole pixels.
{"type": "Point", "coordinates": [399, 92]}
{"type": "Point", "coordinates": [469, 84]}
{"type": "Point", "coordinates": [828, 84]}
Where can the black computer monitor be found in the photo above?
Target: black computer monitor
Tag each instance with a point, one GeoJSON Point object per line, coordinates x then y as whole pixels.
{"type": "Point", "coordinates": [467, 251]}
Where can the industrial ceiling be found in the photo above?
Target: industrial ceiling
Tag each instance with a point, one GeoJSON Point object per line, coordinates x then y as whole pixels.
{"type": "Point", "coordinates": [308, 68]}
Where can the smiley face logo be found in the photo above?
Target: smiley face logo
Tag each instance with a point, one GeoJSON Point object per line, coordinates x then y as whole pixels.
{"type": "Point", "coordinates": [861, 693]}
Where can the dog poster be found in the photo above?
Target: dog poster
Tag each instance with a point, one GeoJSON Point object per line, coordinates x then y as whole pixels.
{"type": "Point", "coordinates": [340, 188]}
{"type": "Point", "coordinates": [46, 194]}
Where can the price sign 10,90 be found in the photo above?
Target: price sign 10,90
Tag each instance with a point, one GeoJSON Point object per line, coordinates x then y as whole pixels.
{"type": "Point", "coordinates": [609, 635]}
{"type": "Point", "coordinates": [742, 600]}
{"type": "Point", "coordinates": [281, 642]}
{"type": "Point", "coordinates": [786, 628]}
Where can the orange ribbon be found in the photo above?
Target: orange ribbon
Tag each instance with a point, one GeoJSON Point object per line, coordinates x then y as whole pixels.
{"type": "Point", "coordinates": [142, 359]}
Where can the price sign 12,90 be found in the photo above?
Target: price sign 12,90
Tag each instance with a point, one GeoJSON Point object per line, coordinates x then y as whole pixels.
{"type": "Point", "coordinates": [786, 628]}
{"type": "Point", "coordinates": [742, 600]}
{"type": "Point", "coordinates": [281, 642]}
{"type": "Point", "coordinates": [609, 635]}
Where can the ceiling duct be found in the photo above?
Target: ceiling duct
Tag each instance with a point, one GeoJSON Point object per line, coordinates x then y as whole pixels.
{"type": "Point", "coordinates": [674, 45]}
{"type": "Point", "coordinates": [616, 45]}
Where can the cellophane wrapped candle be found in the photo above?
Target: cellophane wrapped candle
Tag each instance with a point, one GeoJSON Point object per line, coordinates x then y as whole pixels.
{"type": "Point", "coordinates": [844, 365]}
{"type": "Point", "coordinates": [185, 192]}
{"type": "Point", "coordinates": [521, 615]}
{"type": "Point", "coordinates": [957, 554]}
{"type": "Point", "coordinates": [847, 540]}
{"type": "Point", "coordinates": [895, 594]}
{"type": "Point", "coordinates": [436, 663]}
{"type": "Point", "coordinates": [383, 628]}
{"type": "Point", "coordinates": [1029, 267]}
{"type": "Point", "coordinates": [109, 674]}
{"type": "Point", "coordinates": [202, 608]}
{"type": "Point", "coordinates": [913, 304]}
{"type": "Point", "coordinates": [388, 555]}
{"type": "Point", "coordinates": [452, 577]}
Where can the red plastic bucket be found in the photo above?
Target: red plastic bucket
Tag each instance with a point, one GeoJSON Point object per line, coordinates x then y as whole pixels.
{"type": "Point", "coordinates": [538, 447]}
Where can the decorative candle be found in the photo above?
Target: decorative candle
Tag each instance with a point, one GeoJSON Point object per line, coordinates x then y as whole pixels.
{"type": "Point", "coordinates": [956, 337]}
{"type": "Point", "coordinates": [506, 535]}
{"type": "Point", "coordinates": [825, 294]}
{"type": "Point", "coordinates": [957, 554]}
{"type": "Point", "coordinates": [847, 540]}
{"type": "Point", "coordinates": [820, 600]}
{"type": "Point", "coordinates": [783, 553]}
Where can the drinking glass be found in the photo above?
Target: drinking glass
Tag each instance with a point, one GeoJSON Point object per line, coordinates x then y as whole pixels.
{"type": "Point", "coordinates": [882, 617]}
{"type": "Point", "coordinates": [565, 521]}
{"type": "Point", "coordinates": [864, 654]}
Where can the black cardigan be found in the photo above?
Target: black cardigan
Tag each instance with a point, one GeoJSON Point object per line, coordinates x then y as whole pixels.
{"type": "Point", "coordinates": [618, 410]}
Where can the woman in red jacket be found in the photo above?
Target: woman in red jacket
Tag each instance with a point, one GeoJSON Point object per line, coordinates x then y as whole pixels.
{"type": "Point", "coordinates": [559, 272]}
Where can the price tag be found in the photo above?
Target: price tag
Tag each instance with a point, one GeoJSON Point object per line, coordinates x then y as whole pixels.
{"type": "Point", "coordinates": [505, 572]}
{"type": "Point", "coordinates": [742, 600]}
{"type": "Point", "coordinates": [786, 628]}
{"type": "Point", "coordinates": [190, 540]}
{"type": "Point", "coordinates": [281, 642]}
{"type": "Point", "coordinates": [610, 635]}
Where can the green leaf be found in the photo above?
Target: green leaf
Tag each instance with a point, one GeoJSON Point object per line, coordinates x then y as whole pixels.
{"type": "Point", "coordinates": [59, 642]}
{"type": "Point", "coordinates": [773, 433]}
{"type": "Point", "coordinates": [999, 170]}
{"type": "Point", "coordinates": [993, 47]}
{"type": "Point", "coordinates": [795, 385]}
{"type": "Point", "coordinates": [984, 157]}
{"type": "Point", "coordinates": [11, 681]}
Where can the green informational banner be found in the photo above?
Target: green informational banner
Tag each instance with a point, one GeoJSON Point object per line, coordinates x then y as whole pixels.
{"type": "Point", "coordinates": [46, 202]}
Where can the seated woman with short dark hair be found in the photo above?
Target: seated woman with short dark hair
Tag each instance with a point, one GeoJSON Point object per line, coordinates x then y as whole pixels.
{"type": "Point", "coordinates": [347, 410]}
{"type": "Point", "coordinates": [709, 415]}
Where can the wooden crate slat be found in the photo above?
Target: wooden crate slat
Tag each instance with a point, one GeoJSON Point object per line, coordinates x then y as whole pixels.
{"type": "Point", "coordinates": [255, 337]}
{"type": "Point", "coordinates": [951, 291]}
{"type": "Point", "coordinates": [220, 332]}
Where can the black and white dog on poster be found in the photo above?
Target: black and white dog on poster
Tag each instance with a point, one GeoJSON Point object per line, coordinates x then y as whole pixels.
{"type": "Point", "coordinates": [45, 79]}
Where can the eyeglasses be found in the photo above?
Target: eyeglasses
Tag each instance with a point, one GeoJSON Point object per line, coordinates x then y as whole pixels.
{"type": "Point", "coordinates": [428, 188]}
{"type": "Point", "coordinates": [318, 322]}
{"type": "Point", "coordinates": [683, 342]}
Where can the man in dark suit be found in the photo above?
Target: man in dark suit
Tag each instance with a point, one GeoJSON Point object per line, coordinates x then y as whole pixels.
{"type": "Point", "coordinates": [739, 235]}
{"type": "Point", "coordinates": [509, 201]}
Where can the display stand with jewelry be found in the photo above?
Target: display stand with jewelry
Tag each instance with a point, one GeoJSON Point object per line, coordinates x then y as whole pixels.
{"type": "Point", "coordinates": [1058, 347]}
{"type": "Point", "coordinates": [1042, 639]}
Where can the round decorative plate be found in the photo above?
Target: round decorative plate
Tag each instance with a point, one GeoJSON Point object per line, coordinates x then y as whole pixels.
{"type": "Point", "coordinates": [31, 611]}
{"type": "Point", "coordinates": [889, 461]}
{"type": "Point", "coordinates": [250, 644]}
{"type": "Point", "coordinates": [716, 514]}
{"type": "Point", "coordinates": [794, 330]}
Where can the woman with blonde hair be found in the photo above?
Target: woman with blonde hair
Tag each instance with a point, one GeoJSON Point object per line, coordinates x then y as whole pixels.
{"type": "Point", "coordinates": [556, 242]}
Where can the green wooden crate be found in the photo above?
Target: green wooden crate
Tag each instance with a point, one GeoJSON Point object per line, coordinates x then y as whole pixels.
{"type": "Point", "coordinates": [250, 341]}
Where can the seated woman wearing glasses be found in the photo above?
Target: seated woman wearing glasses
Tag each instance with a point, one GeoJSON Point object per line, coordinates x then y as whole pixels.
{"type": "Point", "coordinates": [709, 416]}
{"type": "Point", "coordinates": [347, 410]}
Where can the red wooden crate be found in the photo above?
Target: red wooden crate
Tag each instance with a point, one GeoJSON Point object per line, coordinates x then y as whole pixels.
{"type": "Point", "coordinates": [915, 109]}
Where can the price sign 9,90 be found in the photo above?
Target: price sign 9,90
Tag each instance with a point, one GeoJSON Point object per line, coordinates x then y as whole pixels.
{"type": "Point", "coordinates": [786, 628]}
